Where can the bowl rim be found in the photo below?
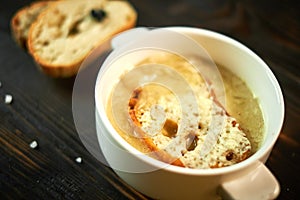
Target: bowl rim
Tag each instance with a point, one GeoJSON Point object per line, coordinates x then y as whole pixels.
{"type": "Point", "coordinates": [257, 156]}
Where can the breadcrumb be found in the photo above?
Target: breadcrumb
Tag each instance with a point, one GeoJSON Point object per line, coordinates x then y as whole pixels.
{"type": "Point", "coordinates": [33, 144]}
{"type": "Point", "coordinates": [78, 160]}
{"type": "Point", "coordinates": [8, 99]}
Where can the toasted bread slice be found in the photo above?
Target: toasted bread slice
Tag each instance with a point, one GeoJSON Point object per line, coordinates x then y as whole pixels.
{"type": "Point", "coordinates": [67, 31]}
{"type": "Point", "coordinates": [23, 19]}
{"type": "Point", "coordinates": [184, 144]}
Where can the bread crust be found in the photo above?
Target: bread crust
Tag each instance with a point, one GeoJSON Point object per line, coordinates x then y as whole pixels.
{"type": "Point", "coordinates": [147, 141]}
{"type": "Point", "coordinates": [69, 69]}
{"type": "Point", "coordinates": [25, 15]}
{"type": "Point", "coordinates": [209, 137]}
{"type": "Point", "coordinates": [168, 158]}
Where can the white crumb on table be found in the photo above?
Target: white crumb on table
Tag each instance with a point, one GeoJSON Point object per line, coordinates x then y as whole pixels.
{"type": "Point", "coordinates": [8, 99]}
{"type": "Point", "coordinates": [0, 84]}
{"type": "Point", "coordinates": [78, 160]}
{"type": "Point", "coordinates": [33, 144]}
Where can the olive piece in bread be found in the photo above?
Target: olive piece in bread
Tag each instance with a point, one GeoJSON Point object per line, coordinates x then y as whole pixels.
{"type": "Point", "coordinates": [65, 33]}
{"type": "Point", "coordinates": [98, 14]}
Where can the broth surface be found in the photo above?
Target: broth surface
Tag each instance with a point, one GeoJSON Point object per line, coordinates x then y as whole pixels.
{"type": "Point", "coordinates": [240, 103]}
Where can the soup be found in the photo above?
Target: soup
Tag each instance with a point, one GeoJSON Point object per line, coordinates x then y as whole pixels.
{"type": "Point", "coordinates": [175, 116]}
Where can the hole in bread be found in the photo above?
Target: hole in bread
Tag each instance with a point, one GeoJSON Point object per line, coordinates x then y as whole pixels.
{"type": "Point", "coordinates": [196, 114]}
{"type": "Point", "coordinates": [74, 28]}
{"type": "Point", "coordinates": [200, 125]}
{"type": "Point", "coordinates": [45, 43]}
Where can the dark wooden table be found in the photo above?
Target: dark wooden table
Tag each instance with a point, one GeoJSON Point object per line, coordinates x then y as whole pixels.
{"type": "Point", "coordinates": [42, 106]}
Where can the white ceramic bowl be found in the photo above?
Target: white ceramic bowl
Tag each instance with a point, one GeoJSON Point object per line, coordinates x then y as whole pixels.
{"type": "Point", "coordinates": [249, 179]}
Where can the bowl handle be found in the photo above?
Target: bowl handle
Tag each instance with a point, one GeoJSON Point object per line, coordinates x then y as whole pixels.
{"type": "Point", "coordinates": [259, 183]}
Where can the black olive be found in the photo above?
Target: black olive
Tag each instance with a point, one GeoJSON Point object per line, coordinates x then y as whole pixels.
{"type": "Point", "coordinates": [192, 141]}
{"type": "Point", "coordinates": [229, 155]}
{"type": "Point", "coordinates": [98, 14]}
{"type": "Point", "coordinates": [170, 128]}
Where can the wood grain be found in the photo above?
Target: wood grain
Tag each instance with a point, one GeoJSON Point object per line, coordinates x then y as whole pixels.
{"type": "Point", "coordinates": [42, 107]}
